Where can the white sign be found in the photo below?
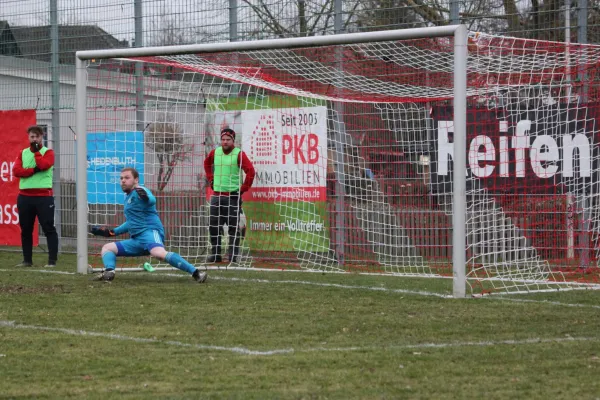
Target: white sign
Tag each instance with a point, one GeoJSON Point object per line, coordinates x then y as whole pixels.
{"type": "Point", "coordinates": [288, 146]}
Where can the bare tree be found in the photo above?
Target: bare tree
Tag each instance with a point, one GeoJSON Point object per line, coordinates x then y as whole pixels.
{"type": "Point", "coordinates": [386, 14]}
{"type": "Point", "coordinates": [168, 29]}
{"type": "Point", "coordinates": [481, 15]}
{"type": "Point", "coordinates": [544, 21]}
{"type": "Point", "coordinates": [526, 18]}
{"type": "Point", "coordinates": [165, 137]}
{"type": "Point", "coordinates": [297, 17]}
{"type": "Point", "coordinates": [313, 17]}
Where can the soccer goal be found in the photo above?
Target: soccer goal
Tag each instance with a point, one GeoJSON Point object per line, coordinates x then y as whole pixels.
{"type": "Point", "coordinates": [354, 139]}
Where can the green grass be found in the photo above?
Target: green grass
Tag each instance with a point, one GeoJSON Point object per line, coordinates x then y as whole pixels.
{"type": "Point", "coordinates": [340, 341]}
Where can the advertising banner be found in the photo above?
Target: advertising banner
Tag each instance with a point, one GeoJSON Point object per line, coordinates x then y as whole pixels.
{"type": "Point", "coordinates": [286, 208]}
{"type": "Point", "coordinates": [527, 152]}
{"type": "Point", "coordinates": [107, 154]}
{"type": "Point", "coordinates": [288, 147]}
{"type": "Point", "coordinates": [13, 131]}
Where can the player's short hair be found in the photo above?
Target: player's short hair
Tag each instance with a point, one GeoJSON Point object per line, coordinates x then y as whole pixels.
{"type": "Point", "coordinates": [133, 171]}
{"type": "Point", "coordinates": [228, 131]}
{"type": "Point", "coordinates": [38, 130]}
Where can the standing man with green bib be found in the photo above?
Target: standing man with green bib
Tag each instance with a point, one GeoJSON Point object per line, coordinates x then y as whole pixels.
{"type": "Point", "coordinates": [223, 168]}
{"type": "Point", "coordinates": [34, 166]}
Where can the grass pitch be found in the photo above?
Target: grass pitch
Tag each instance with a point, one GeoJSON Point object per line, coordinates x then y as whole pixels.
{"type": "Point", "coordinates": [287, 335]}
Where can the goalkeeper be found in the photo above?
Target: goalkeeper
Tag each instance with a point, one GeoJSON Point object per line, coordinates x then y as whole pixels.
{"type": "Point", "coordinates": [145, 228]}
{"type": "Point", "coordinates": [223, 168]}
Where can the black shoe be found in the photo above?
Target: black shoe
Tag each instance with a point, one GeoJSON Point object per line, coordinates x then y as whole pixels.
{"type": "Point", "coordinates": [107, 275]}
{"type": "Point", "coordinates": [51, 264]}
{"type": "Point", "coordinates": [214, 259]}
{"type": "Point", "coordinates": [199, 276]}
{"type": "Point", "coordinates": [24, 264]}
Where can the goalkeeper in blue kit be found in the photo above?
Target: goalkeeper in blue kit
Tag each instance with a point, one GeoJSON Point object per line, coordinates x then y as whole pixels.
{"type": "Point", "coordinates": [145, 229]}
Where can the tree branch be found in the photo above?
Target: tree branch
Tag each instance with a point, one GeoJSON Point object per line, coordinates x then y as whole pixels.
{"type": "Point", "coordinates": [272, 18]}
{"type": "Point", "coordinates": [512, 15]}
{"type": "Point", "coordinates": [350, 15]}
{"type": "Point", "coordinates": [326, 4]}
{"type": "Point", "coordinates": [428, 13]}
{"type": "Point", "coordinates": [160, 170]}
{"type": "Point", "coordinates": [328, 18]}
{"type": "Point", "coordinates": [267, 19]}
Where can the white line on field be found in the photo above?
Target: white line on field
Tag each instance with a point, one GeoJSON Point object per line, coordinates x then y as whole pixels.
{"type": "Point", "coordinates": [456, 344]}
{"type": "Point", "coordinates": [400, 291]}
{"type": "Point", "coordinates": [245, 351]}
{"type": "Point", "coordinates": [26, 269]}
{"type": "Point", "coordinates": [554, 303]}
{"type": "Point", "coordinates": [351, 287]}
{"type": "Point", "coordinates": [337, 285]}
{"type": "Point", "coordinates": [76, 332]}
{"type": "Point", "coordinates": [253, 280]}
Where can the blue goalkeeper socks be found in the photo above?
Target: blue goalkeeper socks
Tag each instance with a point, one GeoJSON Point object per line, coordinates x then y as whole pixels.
{"type": "Point", "coordinates": [109, 259]}
{"type": "Point", "coordinates": [178, 262]}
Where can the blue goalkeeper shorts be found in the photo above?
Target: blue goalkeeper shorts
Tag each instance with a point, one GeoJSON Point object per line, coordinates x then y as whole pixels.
{"type": "Point", "coordinates": [141, 244]}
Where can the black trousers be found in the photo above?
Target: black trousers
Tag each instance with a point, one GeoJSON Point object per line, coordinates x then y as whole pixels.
{"type": "Point", "coordinates": [225, 210]}
{"type": "Point", "coordinates": [41, 207]}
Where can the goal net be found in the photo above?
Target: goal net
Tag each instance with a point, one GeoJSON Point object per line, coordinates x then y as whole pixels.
{"type": "Point", "coordinates": [353, 148]}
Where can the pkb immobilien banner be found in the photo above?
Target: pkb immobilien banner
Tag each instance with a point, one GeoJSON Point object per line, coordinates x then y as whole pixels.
{"type": "Point", "coordinates": [286, 207]}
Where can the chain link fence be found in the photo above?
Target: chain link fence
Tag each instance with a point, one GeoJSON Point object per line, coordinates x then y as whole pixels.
{"type": "Point", "coordinates": [39, 38]}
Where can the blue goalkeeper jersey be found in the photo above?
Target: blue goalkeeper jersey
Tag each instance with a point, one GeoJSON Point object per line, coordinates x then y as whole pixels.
{"type": "Point", "coordinates": [140, 215]}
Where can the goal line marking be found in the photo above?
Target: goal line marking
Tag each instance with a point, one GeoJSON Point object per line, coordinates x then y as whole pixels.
{"type": "Point", "coordinates": [350, 287]}
{"type": "Point", "coordinates": [246, 351]}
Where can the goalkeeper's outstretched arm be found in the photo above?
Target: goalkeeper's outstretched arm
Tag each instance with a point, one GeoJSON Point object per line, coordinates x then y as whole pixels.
{"type": "Point", "coordinates": [121, 229]}
{"type": "Point", "coordinates": [108, 232]}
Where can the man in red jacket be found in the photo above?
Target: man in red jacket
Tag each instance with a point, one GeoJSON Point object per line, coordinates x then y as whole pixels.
{"type": "Point", "coordinates": [34, 166]}
{"type": "Point", "coordinates": [223, 168]}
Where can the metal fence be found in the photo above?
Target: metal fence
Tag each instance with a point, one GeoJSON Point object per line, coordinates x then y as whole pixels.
{"type": "Point", "coordinates": [38, 40]}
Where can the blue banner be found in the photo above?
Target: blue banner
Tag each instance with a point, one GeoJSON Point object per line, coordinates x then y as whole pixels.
{"type": "Point", "coordinates": [107, 154]}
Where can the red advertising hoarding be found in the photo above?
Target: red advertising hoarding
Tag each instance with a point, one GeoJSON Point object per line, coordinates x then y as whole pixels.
{"type": "Point", "coordinates": [13, 135]}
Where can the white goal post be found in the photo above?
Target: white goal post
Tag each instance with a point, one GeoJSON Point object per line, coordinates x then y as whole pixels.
{"type": "Point", "coordinates": [460, 57]}
{"type": "Point", "coordinates": [355, 139]}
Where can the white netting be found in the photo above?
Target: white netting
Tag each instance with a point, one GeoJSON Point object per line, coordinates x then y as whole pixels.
{"type": "Point", "coordinates": [353, 145]}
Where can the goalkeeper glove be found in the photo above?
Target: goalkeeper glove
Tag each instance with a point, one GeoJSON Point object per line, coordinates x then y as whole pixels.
{"type": "Point", "coordinates": [34, 147]}
{"type": "Point", "coordinates": [141, 193]}
{"type": "Point", "coordinates": [36, 169]}
{"type": "Point", "coordinates": [102, 231]}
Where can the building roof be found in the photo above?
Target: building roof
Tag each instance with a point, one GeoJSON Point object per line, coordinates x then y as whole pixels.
{"type": "Point", "coordinates": [8, 45]}
{"type": "Point", "coordinates": [34, 42]}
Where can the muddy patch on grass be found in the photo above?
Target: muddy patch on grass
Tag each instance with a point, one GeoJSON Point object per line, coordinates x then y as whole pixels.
{"type": "Point", "coordinates": [19, 289]}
